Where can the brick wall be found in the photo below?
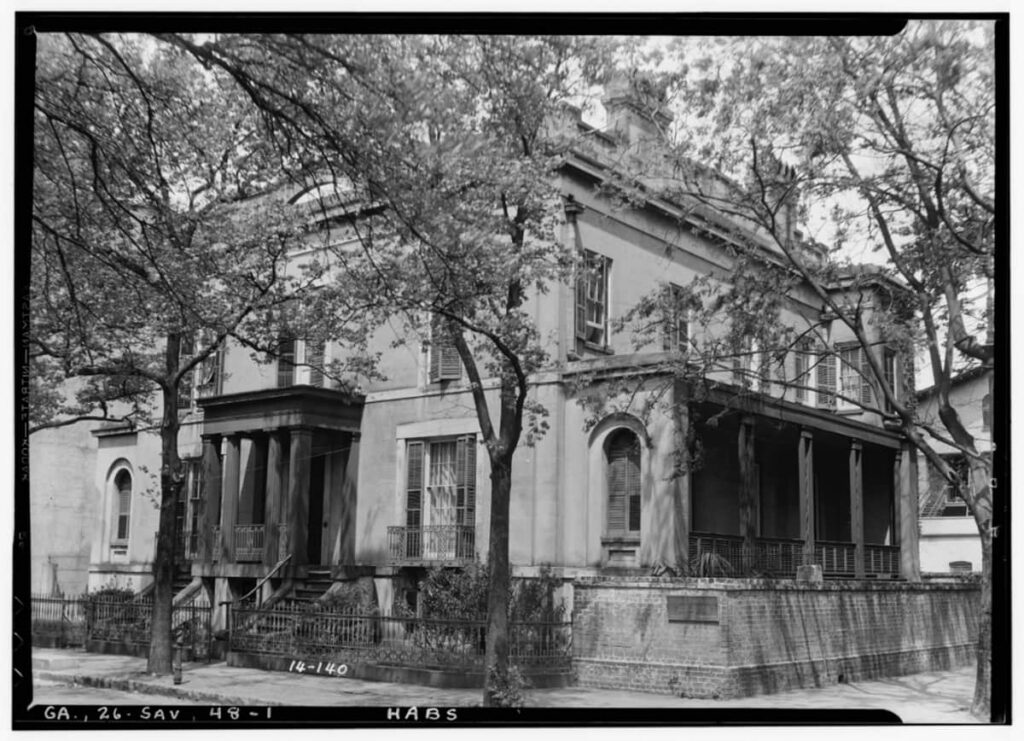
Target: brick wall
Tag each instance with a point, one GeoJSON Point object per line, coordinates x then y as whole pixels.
{"type": "Point", "coordinates": [735, 638]}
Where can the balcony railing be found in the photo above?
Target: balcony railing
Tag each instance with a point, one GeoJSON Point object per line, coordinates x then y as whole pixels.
{"type": "Point", "coordinates": [432, 543]}
{"type": "Point", "coordinates": [248, 543]}
{"type": "Point", "coordinates": [883, 560]}
{"type": "Point", "coordinates": [779, 557]}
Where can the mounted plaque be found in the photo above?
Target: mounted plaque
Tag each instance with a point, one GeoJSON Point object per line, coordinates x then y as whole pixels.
{"type": "Point", "coordinates": [682, 609]}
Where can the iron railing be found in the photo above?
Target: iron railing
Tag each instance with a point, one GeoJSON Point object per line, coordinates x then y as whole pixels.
{"type": "Point", "coordinates": [348, 635]}
{"type": "Point", "coordinates": [79, 619]}
{"type": "Point", "coordinates": [713, 554]}
{"type": "Point", "coordinates": [249, 543]}
{"type": "Point", "coordinates": [883, 560]}
{"type": "Point", "coordinates": [432, 543]}
{"type": "Point", "coordinates": [60, 618]}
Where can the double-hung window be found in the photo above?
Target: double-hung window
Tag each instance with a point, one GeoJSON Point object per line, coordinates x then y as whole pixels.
{"type": "Point", "coordinates": [122, 506]}
{"type": "Point", "coordinates": [592, 299]}
{"type": "Point", "coordinates": [677, 320]}
{"type": "Point", "coordinates": [440, 505]}
{"type": "Point", "coordinates": [285, 362]}
{"type": "Point", "coordinates": [855, 388]}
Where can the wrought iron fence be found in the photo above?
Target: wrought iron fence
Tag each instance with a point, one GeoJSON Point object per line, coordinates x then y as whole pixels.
{"type": "Point", "coordinates": [59, 617]}
{"type": "Point", "coordinates": [712, 554]}
{"type": "Point", "coordinates": [75, 620]}
{"type": "Point", "coordinates": [443, 543]}
{"type": "Point", "coordinates": [356, 635]}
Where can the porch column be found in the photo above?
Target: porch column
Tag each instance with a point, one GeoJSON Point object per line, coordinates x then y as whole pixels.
{"type": "Point", "coordinates": [297, 501]}
{"type": "Point", "coordinates": [857, 507]}
{"type": "Point", "coordinates": [272, 505]}
{"type": "Point", "coordinates": [209, 511]}
{"type": "Point", "coordinates": [748, 486]}
{"type": "Point", "coordinates": [805, 467]}
{"type": "Point", "coordinates": [229, 498]}
{"type": "Point", "coordinates": [906, 510]}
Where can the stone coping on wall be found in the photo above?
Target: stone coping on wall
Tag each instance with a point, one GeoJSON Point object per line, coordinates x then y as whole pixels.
{"type": "Point", "coordinates": [774, 585]}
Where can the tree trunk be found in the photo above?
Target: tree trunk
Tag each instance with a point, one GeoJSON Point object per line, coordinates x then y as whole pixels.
{"type": "Point", "coordinates": [496, 656]}
{"type": "Point", "coordinates": [981, 706]}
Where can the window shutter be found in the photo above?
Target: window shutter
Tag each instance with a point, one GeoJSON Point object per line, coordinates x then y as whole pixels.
{"type": "Point", "coordinates": [414, 485]}
{"type": "Point", "coordinates": [285, 362]}
{"type": "Point", "coordinates": [445, 363]}
{"type": "Point", "coordinates": [581, 299]}
{"type": "Point", "coordinates": [465, 467]}
{"type": "Point", "coordinates": [624, 483]}
{"type": "Point", "coordinates": [865, 384]}
{"type": "Point", "coordinates": [315, 361]}
{"type": "Point", "coordinates": [826, 380]}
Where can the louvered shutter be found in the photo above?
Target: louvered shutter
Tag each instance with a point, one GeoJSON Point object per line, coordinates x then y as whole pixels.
{"type": "Point", "coordinates": [414, 485]}
{"type": "Point", "coordinates": [865, 384]}
{"type": "Point", "coordinates": [465, 467]}
{"type": "Point", "coordinates": [315, 361]}
{"type": "Point", "coordinates": [624, 483]}
{"type": "Point", "coordinates": [445, 363]}
{"type": "Point", "coordinates": [581, 298]}
{"type": "Point", "coordinates": [826, 380]}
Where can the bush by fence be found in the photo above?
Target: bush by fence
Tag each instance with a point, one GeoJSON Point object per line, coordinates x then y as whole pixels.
{"type": "Point", "coordinates": [355, 634]}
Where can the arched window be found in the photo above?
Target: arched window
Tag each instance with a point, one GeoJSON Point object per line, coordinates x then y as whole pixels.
{"type": "Point", "coordinates": [122, 505]}
{"type": "Point", "coordinates": [623, 451]}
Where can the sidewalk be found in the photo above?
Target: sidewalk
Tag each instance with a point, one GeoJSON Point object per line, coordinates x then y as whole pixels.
{"type": "Point", "coordinates": [935, 697]}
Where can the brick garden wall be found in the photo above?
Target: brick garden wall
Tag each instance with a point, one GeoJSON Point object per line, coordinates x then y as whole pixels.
{"type": "Point", "coordinates": [736, 638]}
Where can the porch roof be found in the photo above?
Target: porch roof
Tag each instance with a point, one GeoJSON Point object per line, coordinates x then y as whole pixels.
{"type": "Point", "coordinates": [295, 406]}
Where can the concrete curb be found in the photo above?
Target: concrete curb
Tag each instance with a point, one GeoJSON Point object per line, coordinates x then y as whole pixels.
{"type": "Point", "coordinates": [134, 685]}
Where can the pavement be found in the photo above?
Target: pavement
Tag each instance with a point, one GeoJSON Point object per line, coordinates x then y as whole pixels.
{"type": "Point", "coordinates": [941, 697]}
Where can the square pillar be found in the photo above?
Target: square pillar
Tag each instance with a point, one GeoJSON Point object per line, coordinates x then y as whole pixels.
{"type": "Point", "coordinates": [907, 512]}
{"type": "Point", "coordinates": [229, 497]}
{"type": "Point", "coordinates": [275, 486]}
{"type": "Point", "coordinates": [297, 500]}
{"type": "Point", "coordinates": [857, 507]}
{"type": "Point", "coordinates": [209, 510]}
{"type": "Point", "coordinates": [748, 486]}
{"type": "Point", "coordinates": [805, 468]}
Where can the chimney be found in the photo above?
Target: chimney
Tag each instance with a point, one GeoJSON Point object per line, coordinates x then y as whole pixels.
{"type": "Point", "coordinates": [636, 109]}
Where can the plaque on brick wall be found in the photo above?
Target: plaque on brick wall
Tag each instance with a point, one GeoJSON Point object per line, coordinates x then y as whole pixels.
{"type": "Point", "coordinates": [692, 609]}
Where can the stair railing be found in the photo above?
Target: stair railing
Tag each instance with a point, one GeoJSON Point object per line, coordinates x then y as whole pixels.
{"type": "Point", "coordinates": [263, 581]}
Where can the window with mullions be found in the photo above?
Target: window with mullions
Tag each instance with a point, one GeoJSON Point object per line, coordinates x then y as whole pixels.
{"type": "Point", "coordinates": [122, 506]}
{"type": "Point", "coordinates": [853, 377]}
{"type": "Point", "coordinates": [592, 299]}
{"type": "Point", "coordinates": [677, 318]}
{"type": "Point", "coordinates": [440, 512]}
{"type": "Point", "coordinates": [285, 362]}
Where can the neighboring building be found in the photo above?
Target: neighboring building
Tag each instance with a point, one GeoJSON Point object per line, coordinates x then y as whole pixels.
{"type": "Point", "coordinates": [62, 508]}
{"type": "Point", "coordinates": [381, 484]}
{"type": "Point", "coordinates": [949, 538]}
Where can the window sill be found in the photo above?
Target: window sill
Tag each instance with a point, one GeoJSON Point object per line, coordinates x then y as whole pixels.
{"type": "Point", "coordinates": [621, 540]}
{"type": "Point", "coordinates": [600, 349]}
